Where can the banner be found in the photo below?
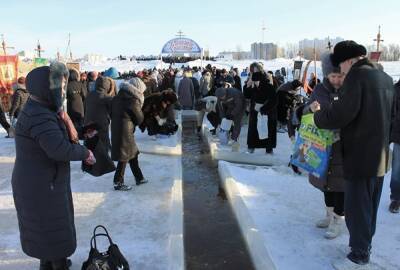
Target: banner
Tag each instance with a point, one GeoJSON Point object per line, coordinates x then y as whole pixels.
{"type": "Point", "coordinates": [39, 62]}
{"type": "Point", "coordinates": [374, 56]}
{"type": "Point", "coordinates": [8, 76]}
{"type": "Point", "coordinates": [297, 70]}
{"type": "Point", "coordinates": [181, 45]}
{"type": "Point", "coordinates": [313, 147]}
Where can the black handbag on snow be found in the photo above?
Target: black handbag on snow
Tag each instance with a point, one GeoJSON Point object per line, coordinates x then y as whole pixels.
{"type": "Point", "coordinates": [112, 259]}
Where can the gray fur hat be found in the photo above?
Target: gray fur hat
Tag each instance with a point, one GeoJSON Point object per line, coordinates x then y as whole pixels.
{"type": "Point", "coordinates": [327, 65]}
{"type": "Point", "coordinates": [220, 92]}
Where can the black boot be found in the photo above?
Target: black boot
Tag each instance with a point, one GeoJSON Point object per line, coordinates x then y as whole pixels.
{"type": "Point", "coordinates": [45, 265]}
{"type": "Point", "coordinates": [62, 264]}
{"type": "Point", "coordinates": [359, 257]}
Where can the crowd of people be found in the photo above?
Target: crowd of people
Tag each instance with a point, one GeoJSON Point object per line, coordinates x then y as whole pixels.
{"type": "Point", "coordinates": [352, 93]}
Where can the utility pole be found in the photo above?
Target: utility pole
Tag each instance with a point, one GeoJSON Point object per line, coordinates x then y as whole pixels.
{"type": "Point", "coordinates": [39, 49]}
{"type": "Point", "coordinates": [378, 39]}
{"type": "Point", "coordinates": [263, 28]}
{"type": "Point", "coordinates": [68, 52]}
{"type": "Point", "coordinates": [329, 44]}
{"type": "Point", "coordinates": [4, 46]}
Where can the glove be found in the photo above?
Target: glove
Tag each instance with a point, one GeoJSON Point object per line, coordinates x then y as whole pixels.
{"type": "Point", "coordinates": [90, 160]}
{"type": "Point", "coordinates": [263, 110]}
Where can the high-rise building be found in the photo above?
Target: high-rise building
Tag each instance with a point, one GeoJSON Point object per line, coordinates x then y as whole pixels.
{"type": "Point", "coordinates": [306, 46]}
{"type": "Point", "coordinates": [265, 51]}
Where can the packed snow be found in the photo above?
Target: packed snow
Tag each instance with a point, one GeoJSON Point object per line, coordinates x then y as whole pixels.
{"type": "Point", "coordinates": [138, 221]}
{"type": "Point", "coordinates": [285, 207]}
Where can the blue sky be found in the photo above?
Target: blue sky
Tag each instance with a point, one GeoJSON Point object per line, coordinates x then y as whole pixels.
{"type": "Point", "coordinates": [142, 27]}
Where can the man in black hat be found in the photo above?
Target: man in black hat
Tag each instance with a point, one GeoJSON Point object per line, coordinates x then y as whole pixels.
{"type": "Point", "coordinates": [363, 114]}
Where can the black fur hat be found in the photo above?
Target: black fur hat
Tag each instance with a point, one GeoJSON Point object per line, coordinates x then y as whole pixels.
{"type": "Point", "coordinates": [346, 50]}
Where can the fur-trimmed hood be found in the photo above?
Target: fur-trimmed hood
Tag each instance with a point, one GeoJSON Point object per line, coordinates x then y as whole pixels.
{"type": "Point", "coordinates": [44, 83]}
{"type": "Point", "coordinates": [74, 75]}
{"type": "Point", "coordinates": [103, 85]}
{"type": "Point", "coordinates": [134, 88]}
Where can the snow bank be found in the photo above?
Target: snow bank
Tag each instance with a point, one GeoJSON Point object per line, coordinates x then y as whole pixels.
{"type": "Point", "coordinates": [282, 209]}
{"type": "Point", "coordinates": [259, 157]}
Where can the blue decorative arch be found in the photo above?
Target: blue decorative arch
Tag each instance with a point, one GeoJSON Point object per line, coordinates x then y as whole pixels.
{"type": "Point", "coordinates": [181, 45]}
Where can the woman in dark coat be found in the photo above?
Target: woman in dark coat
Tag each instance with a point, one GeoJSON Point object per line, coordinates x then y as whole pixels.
{"type": "Point", "coordinates": [260, 91]}
{"type": "Point", "coordinates": [98, 108]}
{"type": "Point", "coordinates": [41, 176]}
{"type": "Point", "coordinates": [333, 183]}
{"type": "Point", "coordinates": [20, 97]}
{"type": "Point", "coordinates": [159, 115]}
{"type": "Point", "coordinates": [76, 93]}
{"type": "Point", "coordinates": [126, 115]}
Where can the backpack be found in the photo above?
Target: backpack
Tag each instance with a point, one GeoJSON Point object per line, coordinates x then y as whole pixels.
{"type": "Point", "coordinates": [112, 259]}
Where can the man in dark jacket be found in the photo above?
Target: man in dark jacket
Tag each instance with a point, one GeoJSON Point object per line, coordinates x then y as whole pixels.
{"type": "Point", "coordinates": [20, 97]}
{"type": "Point", "coordinates": [366, 97]}
{"type": "Point", "coordinates": [76, 93]}
{"type": "Point", "coordinates": [41, 176]}
{"type": "Point", "coordinates": [186, 95]}
{"type": "Point", "coordinates": [286, 97]}
{"type": "Point", "coordinates": [98, 108]}
{"type": "Point", "coordinates": [395, 138]}
{"type": "Point", "coordinates": [231, 105]}
{"type": "Point", "coordinates": [126, 115]}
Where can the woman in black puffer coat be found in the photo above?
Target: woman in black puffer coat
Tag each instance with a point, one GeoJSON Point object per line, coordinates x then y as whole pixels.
{"type": "Point", "coordinates": [41, 179]}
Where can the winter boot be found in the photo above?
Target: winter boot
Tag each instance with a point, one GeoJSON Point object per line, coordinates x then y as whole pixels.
{"type": "Point", "coordinates": [324, 223]}
{"type": "Point", "coordinates": [250, 150]}
{"type": "Point", "coordinates": [61, 264]}
{"type": "Point", "coordinates": [141, 181]}
{"type": "Point", "coordinates": [45, 265]}
{"type": "Point", "coordinates": [394, 206]}
{"type": "Point", "coordinates": [335, 227]}
{"type": "Point", "coordinates": [122, 187]}
{"type": "Point", "coordinates": [354, 261]}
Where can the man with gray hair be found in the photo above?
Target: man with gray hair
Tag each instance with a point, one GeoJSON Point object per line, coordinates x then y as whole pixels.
{"type": "Point", "coordinates": [363, 114]}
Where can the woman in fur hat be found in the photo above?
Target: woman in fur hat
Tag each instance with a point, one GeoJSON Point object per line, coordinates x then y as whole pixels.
{"type": "Point", "coordinates": [46, 142]}
{"type": "Point", "coordinates": [126, 115]}
{"type": "Point", "coordinates": [332, 185]}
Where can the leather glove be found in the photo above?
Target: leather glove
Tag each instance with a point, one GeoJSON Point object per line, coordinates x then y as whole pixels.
{"type": "Point", "coordinates": [90, 160]}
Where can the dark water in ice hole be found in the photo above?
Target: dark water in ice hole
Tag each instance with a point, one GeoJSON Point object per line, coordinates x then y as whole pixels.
{"type": "Point", "coordinates": [212, 236]}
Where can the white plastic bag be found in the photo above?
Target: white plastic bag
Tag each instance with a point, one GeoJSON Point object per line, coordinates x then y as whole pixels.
{"type": "Point", "coordinates": [226, 124]}
{"type": "Point", "coordinates": [224, 129]}
{"type": "Point", "coordinates": [258, 106]}
{"type": "Point", "coordinates": [262, 126]}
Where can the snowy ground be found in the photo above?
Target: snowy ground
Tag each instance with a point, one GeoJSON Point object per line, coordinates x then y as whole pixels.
{"type": "Point", "coordinates": [284, 208]}
{"type": "Point", "coordinates": [139, 221]}
{"type": "Point", "coordinates": [259, 157]}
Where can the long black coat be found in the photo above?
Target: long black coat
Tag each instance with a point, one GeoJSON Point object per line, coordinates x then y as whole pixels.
{"type": "Point", "coordinates": [19, 99]}
{"type": "Point", "coordinates": [98, 105]}
{"type": "Point", "coordinates": [265, 94]}
{"type": "Point", "coordinates": [41, 176]}
{"type": "Point", "coordinates": [395, 130]}
{"type": "Point", "coordinates": [363, 113]}
{"type": "Point", "coordinates": [76, 92]}
{"type": "Point", "coordinates": [126, 114]}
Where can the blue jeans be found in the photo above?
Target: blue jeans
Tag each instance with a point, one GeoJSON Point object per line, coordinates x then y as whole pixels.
{"type": "Point", "coordinates": [395, 181]}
